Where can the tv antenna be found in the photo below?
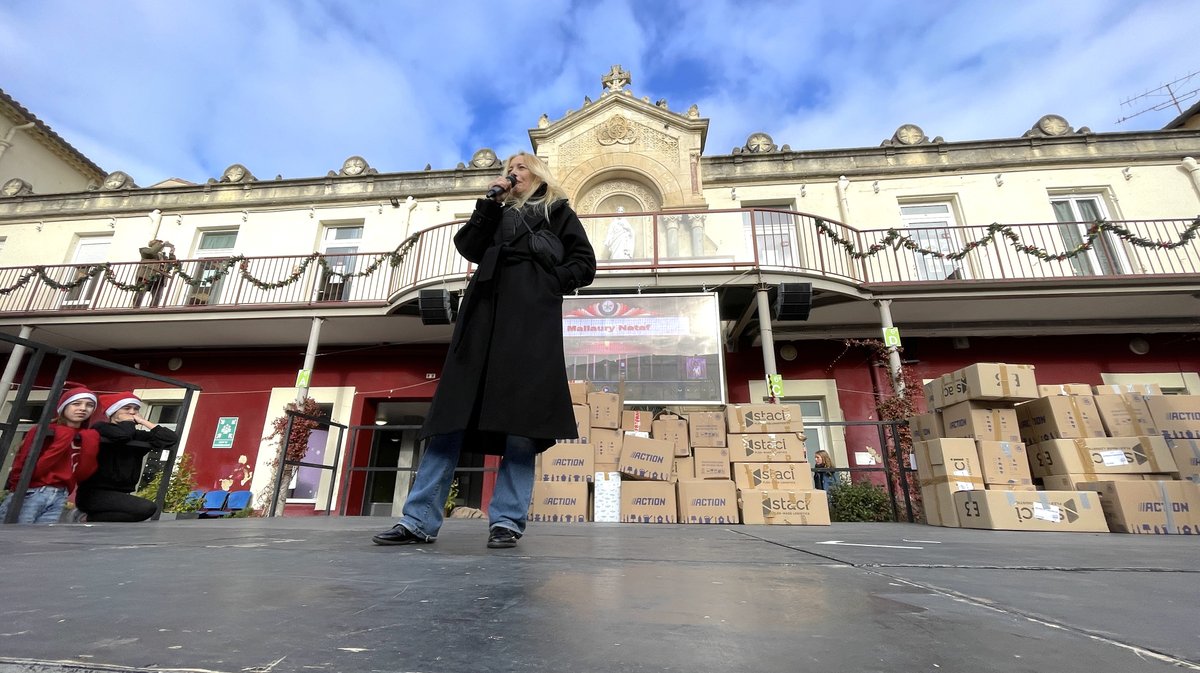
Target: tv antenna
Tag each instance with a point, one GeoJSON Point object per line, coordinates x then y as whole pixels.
{"type": "Point", "coordinates": [1163, 97]}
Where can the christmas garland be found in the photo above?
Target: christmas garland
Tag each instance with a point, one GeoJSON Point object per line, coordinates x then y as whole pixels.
{"type": "Point", "coordinates": [896, 239]}
{"type": "Point", "coordinates": [893, 238]}
{"type": "Point", "coordinates": [212, 274]}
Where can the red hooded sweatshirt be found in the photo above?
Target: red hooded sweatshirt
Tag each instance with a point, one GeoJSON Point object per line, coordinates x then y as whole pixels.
{"type": "Point", "coordinates": [64, 462]}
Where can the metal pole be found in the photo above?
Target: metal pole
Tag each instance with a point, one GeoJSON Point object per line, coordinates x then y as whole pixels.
{"type": "Point", "coordinates": [40, 432]}
{"type": "Point", "coordinates": [310, 358]}
{"type": "Point", "coordinates": [767, 336]}
{"type": "Point", "coordinates": [283, 449]}
{"type": "Point", "coordinates": [885, 317]}
{"type": "Point", "coordinates": [14, 363]}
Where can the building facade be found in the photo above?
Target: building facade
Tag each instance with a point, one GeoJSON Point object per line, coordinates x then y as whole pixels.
{"type": "Point", "coordinates": [1070, 250]}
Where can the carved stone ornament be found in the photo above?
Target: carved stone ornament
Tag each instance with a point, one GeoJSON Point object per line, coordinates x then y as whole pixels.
{"type": "Point", "coordinates": [356, 165]}
{"type": "Point", "coordinates": [693, 112]}
{"type": "Point", "coordinates": [1053, 125]}
{"type": "Point", "coordinates": [484, 158]}
{"type": "Point", "coordinates": [757, 143]}
{"type": "Point", "coordinates": [909, 134]}
{"type": "Point", "coordinates": [616, 79]}
{"type": "Point", "coordinates": [118, 180]}
{"type": "Point", "coordinates": [543, 121]}
{"type": "Point", "coordinates": [16, 187]}
{"type": "Point", "coordinates": [616, 130]}
{"type": "Point", "coordinates": [237, 173]}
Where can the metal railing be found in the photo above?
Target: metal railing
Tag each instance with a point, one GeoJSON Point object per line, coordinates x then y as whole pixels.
{"type": "Point", "coordinates": [714, 241]}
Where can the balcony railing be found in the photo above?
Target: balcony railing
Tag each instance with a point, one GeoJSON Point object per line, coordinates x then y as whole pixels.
{"type": "Point", "coordinates": [708, 241]}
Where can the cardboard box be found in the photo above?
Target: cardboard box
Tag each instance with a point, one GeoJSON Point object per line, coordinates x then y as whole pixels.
{"type": "Point", "coordinates": [1156, 507]}
{"type": "Point", "coordinates": [568, 462]}
{"type": "Point", "coordinates": [711, 463]}
{"type": "Point", "coordinates": [684, 467]}
{"type": "Point", "coordinates": [1004, 463]}
{"type": "Point", "coordinates": [1101, 455]}
{"type": "Point", "coordinates": [1186, 453]}
{"type": "Point", "coordinates": [1011, 487]}
{"type": "Point", "coordinates": [1060, 511]}
{"type": "Point", "coordinates": [981, 420]}
{"type": "Point", "coordinates": [938, 503]}
{"type": "Point", "coordinates": [638, 421]}
{"type": "Point", "coordinates": [706, 429]}
{"type": "Point", "coordinates": [780, 507]}
{"type": "Point", "coordinates": [948, 461]}
{"type": "Point", "coordinates": [1120, 389]}
{"type": "Point", "coordinates": [989, 381]}
{"type": "Point", "coordinates": [764, 418]}
{"type": "Point", "coordinates": [1059, 418]}
{"type": "Point", "coordinates": [784, 447]}
{"type": "Point", "coordinates": [1125, 415]}
{"type": "Point", "coordinates": [606, 497]}
{"type": "Point", "coordinates": [933, 395]}
{"type": "Point", "coordinates": [1064, 389]}
{"type": "Point", "coordinates": [1177, 416]}
{"type": "Point", "coordinates": [643, 458]}
{"type": "Point", "coordinates": [606, 410]}
{"type": "Point", "coordinates": [925, 427]}
{"type": "Point", "coordinates": [671, 428]}
{"type": "Point", "coordinates": [707, 501]}
{"type": "Point", "coordinates": [648, 502]}
{"type": "Point", "coordinates": [608, 444]}
{"type": "Point", "coordinates": [583, 425]}
{"type": "Point", "coordinates": [1083, 482]}
{"type": "Point", "coordinates": [773, 476]}
{"type": "Point", "coordinates": [579, 391]}
{"type": "Point", "coordinates": [560, 501]}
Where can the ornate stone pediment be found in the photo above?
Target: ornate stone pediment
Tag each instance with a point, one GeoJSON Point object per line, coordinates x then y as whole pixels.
{"type": "Point", "coordinates": [236, 173]}
{"type": "Point", "coordinates": [909, 134]}
{"type": "Point", "coordinates": [760, 143]}
{"type": "Point", "coordinates": [16, 187]}
{"type": "Point", "coordinates": [1052, 125]}
{"type": "Point", "coordinates": [117, 180]}
{"type": "Point", "coordinates": [352, 167]}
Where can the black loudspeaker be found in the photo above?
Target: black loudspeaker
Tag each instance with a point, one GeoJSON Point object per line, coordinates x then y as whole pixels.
{"type": "Point", "coordinates": [793, 301]}
{"type": "Point", "coordinates": [434, 306]}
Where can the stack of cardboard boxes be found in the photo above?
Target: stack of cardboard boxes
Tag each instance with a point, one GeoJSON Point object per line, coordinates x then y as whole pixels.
{"type": "Point", "coordinates": [1054, 457]}
{"type": "Point", "coordinates": [670, 468]}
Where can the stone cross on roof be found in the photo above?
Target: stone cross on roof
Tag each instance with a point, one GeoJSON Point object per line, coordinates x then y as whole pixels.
{"type": "Point", "coordinates": [616, 79]}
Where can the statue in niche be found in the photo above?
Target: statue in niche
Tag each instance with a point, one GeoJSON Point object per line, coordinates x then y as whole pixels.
{"type": "Point", "coordinates": [619, 240]}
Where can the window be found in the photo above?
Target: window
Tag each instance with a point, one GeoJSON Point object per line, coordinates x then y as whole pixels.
{"type": "Point", "coordinates": [1075, 214]}
{"type": "Point", "coordinates": [88, 251]}
{"type": "Point", "coordinates": [934, 227]}
{"type": "Point", "coordinates": [339, 245]}
{"type": "Point", "coordinates": [214, 246]}
{"type": "Point", "coordinates": [773, 233]}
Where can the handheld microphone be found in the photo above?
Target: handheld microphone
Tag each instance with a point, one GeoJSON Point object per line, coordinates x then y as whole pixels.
{"type": "Point", "coordinates": [497, 190]}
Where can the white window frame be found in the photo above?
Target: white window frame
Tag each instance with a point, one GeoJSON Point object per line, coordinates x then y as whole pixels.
{"type": "Point", "coordinates": [1074, 232]}
{"type": "Point", "coordinates": [89, 250]}
{"type": "Point", "coordinates": [935, 231]}
{"type": "Point", "coordinates": [774, 243]}
{"type": "Point", "coordinates": [332, 247]}
{"type": "Point", "coordinates": [213, 290]}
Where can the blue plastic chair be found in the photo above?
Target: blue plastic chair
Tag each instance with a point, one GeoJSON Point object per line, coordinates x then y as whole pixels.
{"type": "Point", "coordinates": [236, 502]}
{"type": "Point", "coordinates": [214, 504]}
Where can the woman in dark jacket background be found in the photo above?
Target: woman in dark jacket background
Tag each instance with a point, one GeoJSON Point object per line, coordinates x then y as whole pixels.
{"type": "Point", "coordinates": [108, 494]}
{"type": "Point", "coordinates": [503, 389]}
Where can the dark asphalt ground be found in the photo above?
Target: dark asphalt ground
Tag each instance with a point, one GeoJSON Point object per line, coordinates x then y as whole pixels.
{"type": "Point", "coordinates": [313, 594]}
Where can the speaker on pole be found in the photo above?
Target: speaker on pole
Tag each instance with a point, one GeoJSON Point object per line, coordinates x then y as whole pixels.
{"type": "Point", "coordinates": [434, 307]}
{"type": "Point", "coordinates": [793, 301]}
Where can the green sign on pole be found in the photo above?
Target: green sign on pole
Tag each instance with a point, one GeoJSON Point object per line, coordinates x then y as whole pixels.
{"type": "Point", "coordinates": [302, 377]}
{"type": "Point", "coordinates": [891, 337]}
{"type": "Point", "coordinates": [226, 427]}
{"type": "Point", "coordinates": [775, 384]}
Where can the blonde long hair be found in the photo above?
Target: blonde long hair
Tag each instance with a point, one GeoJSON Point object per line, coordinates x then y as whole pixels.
{"type": "Point", "coordinates": [554, 192]}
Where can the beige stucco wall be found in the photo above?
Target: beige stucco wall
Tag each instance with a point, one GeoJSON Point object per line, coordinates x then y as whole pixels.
{"type": "Point", "coordinates": [28, 158]}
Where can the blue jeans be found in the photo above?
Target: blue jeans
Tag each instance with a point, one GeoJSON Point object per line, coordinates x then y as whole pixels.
{"type": "Point", "coordinates": [425, 507]}
{"type": "Point", "coordinates": [43, 504]}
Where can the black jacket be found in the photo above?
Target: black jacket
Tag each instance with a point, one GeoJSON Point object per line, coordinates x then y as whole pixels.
{"type": "Point", "coordinates": [505, 372]}
{"type": "Point", "coordinates": [122, 449]}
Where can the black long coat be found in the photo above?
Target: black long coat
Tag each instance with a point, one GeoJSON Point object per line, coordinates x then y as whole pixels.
{"type": "Point", "coordinates": [505, 372]}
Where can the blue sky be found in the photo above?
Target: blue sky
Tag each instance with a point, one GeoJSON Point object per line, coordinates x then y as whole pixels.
{"type": "Point", "coordinates": [293, 87]}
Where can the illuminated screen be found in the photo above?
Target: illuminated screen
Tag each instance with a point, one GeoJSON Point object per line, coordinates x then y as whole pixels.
{"type": "Point", "coordinates": [666, 348]}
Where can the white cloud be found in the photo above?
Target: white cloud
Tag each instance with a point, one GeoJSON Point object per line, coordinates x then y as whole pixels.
{"type": "Point", "coordinates": [185, 89]}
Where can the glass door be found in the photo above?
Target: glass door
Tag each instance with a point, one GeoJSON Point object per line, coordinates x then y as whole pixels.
{"type": "Point", "coordinates": [1075, 214]}
{"type": "Point", "coordinates": [339, 246]}
{"type": "Point", "coordinates": [89, 251]}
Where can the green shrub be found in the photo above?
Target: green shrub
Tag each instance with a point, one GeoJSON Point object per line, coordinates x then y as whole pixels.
{"type": "Point", "coordinates": [182, 483]}
{"type": "Point", "coordinates": [860, 501]}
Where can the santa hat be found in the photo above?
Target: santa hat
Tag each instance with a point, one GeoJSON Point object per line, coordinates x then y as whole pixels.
{"type": "Point", "coordinates": [74, 391]}
{"type": "Point", "coordinates": [110, 402]}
